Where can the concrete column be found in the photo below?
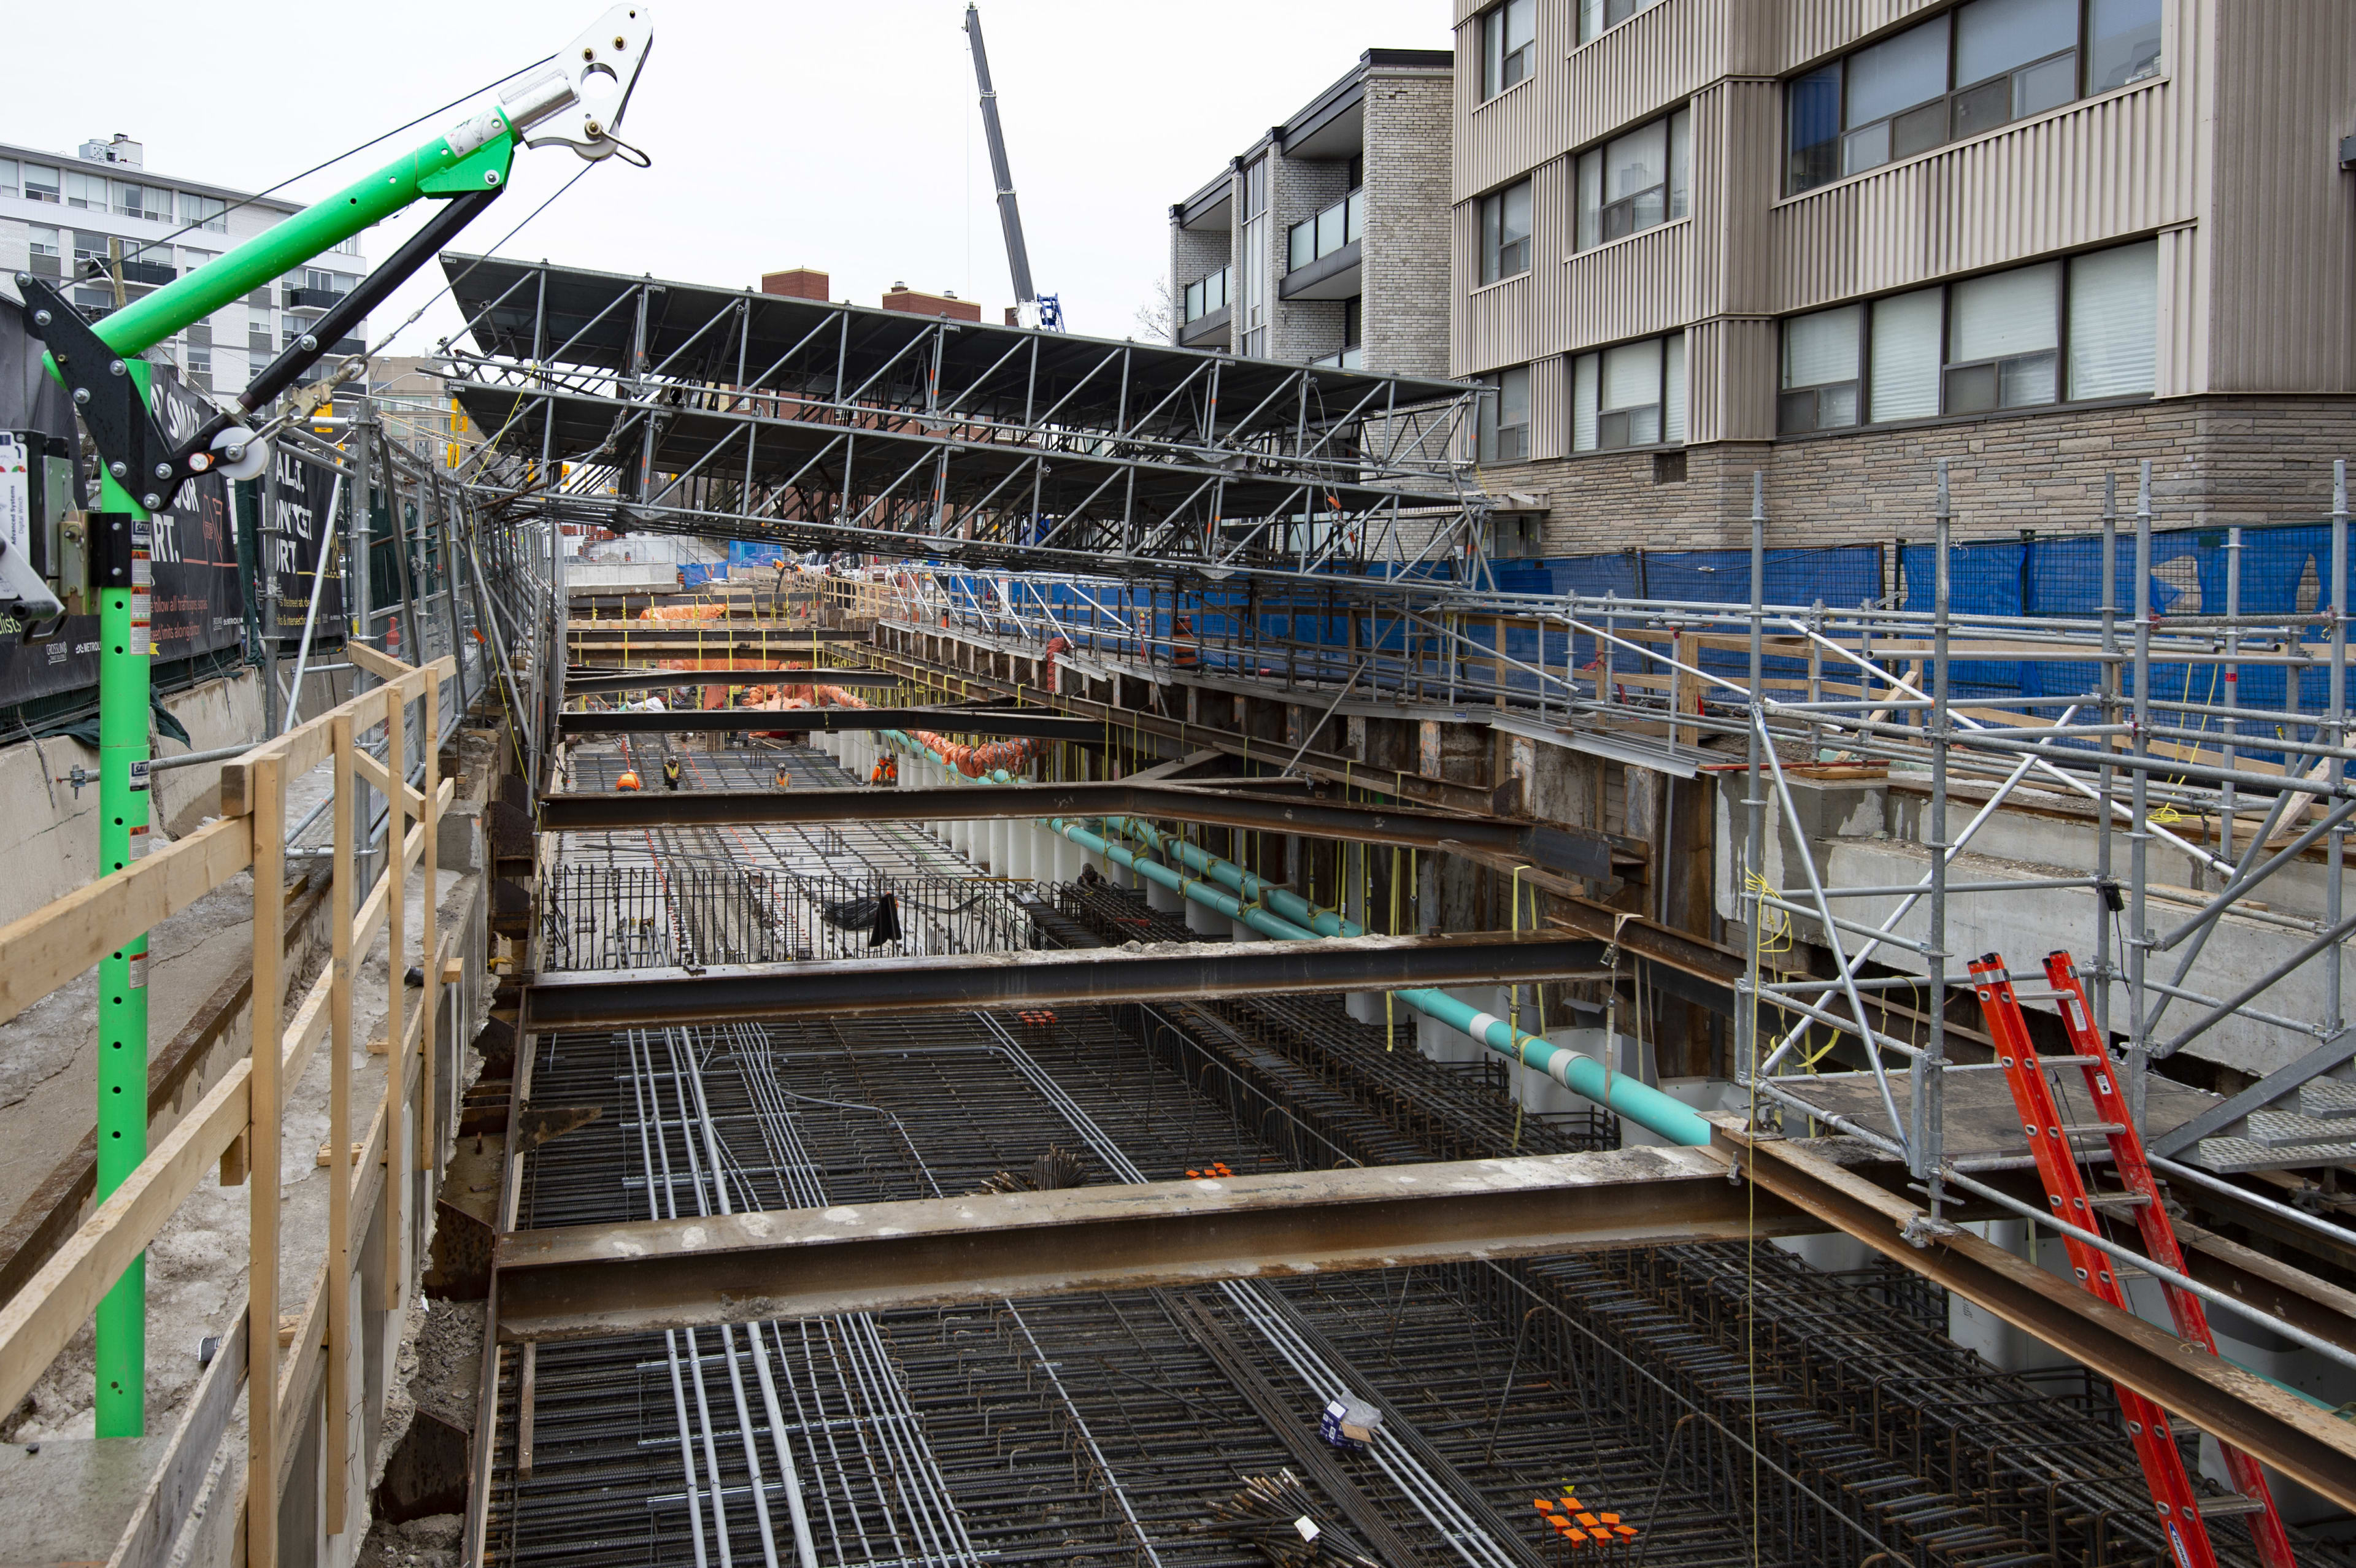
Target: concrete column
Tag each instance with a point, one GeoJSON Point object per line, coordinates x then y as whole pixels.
{"type": "Point", "coordinates": [1238, 932]}
{"type": "Point", "coordinates": [1069, 858]}
{"type": "Point", "coordinates": [1159, 897]}
{"type": "Point", "coordinates": [1202, 918]}
{"type": "Point", "coordinates": [1002, 845]}
{"type": "Point", "coordinates": [1366, 1006]}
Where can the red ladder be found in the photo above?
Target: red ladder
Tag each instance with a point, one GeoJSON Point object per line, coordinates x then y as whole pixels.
{"type": "Point", "coordinates": [2180, 1507]}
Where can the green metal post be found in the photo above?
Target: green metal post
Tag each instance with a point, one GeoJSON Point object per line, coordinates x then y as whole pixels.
{"type": "Point", "coordinates": [480, 162]}
{"type": "Point", "coordinates": [123, 694]}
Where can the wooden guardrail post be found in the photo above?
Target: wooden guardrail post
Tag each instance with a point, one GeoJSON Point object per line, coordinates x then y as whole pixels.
{"type": "Point", "coordinates": [335, 1435]}
{"type": "Point", "coordinates": [263, 1164]}
{"type": "Point", "coordinates": [396, 953]}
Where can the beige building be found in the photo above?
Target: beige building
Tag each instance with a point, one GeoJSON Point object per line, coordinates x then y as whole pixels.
{"type": "Point", "coordinates": [1836, 240]}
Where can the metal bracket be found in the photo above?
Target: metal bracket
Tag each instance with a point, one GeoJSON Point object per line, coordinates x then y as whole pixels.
{"type": "Point", "coordinates": [135, 450]}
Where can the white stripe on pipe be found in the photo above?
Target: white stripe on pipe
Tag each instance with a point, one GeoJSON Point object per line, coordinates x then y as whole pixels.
{"type": "Point", "coordinates": [1480, 1022]}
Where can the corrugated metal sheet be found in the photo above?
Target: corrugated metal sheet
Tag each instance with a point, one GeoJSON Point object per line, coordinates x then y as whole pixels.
{"type": "Point", "coordinates": [2182, 365]}
{"type": "Point", "coordinates": [1501, 329]}
{"type": "Point", "coordinates": [1815, 27]}
{"type": "Point", "coordinates": [2107, 169]}
{"type": "Point", "coordinates": [1629, 288]}
{"type": "Point", "coordinates": [1642, 66]}
{"type": "Point", "coordinates": [1731, 377]}
{"type": "Point", "coordinates": [2283, 238]}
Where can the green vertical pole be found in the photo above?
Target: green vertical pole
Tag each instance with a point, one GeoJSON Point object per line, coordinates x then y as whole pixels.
{"type": "Point", "coordinates": [123, 693]}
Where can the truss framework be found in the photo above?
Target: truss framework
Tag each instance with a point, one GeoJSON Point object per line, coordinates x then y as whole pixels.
{"type": "Point", "coordinates": [640, 405]}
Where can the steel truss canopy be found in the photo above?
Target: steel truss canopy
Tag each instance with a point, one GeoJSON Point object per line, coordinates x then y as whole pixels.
{"type": "Point", "coordinates": [686, 408]}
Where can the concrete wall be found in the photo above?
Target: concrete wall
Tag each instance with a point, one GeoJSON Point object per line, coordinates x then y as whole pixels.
{"type": "Point", "coordinates": [49, 837]}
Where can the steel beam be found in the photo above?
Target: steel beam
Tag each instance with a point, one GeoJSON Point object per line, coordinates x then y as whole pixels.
{"type": "Point", "coordinates": [592, 1281]}
{"type": "Point", "coordinates": [642, 998]}
{"type": "Point", "coordinates": [1575, 852]}
{"type": "Point", "coordinates": [1035, 723]}
{"type": "Point", "coordinates": [579, 685]}
{"type": "Point", "coordinates": [2305, 1443]}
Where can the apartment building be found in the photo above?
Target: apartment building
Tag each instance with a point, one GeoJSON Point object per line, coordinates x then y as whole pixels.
{"type": "Point", "coordinates": [59, 212]}
{"type": "Point", "coordinates": [1835, 241]}
{"type": "Point", "coordinates": [1326, 241]}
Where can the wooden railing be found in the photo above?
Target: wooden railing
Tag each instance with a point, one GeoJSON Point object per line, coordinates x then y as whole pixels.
{"type": "Point", "coordinates": [236, 1128]}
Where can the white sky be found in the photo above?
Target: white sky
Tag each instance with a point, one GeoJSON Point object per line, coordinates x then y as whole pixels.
{"type": "Point", "coordinates": [842, 136]}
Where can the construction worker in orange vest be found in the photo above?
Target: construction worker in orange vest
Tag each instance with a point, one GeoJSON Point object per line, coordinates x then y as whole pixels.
{"type": "Point", "coordinates": [629, 780]}
{"type": "Point", "coordinates": [670, 772]}
{"type": "Point", "coordinates": [784, 780]}
{"type": "Point", "coordinates": [887, 770]}
{"type": "Point", "coordinates": [1183, 653]}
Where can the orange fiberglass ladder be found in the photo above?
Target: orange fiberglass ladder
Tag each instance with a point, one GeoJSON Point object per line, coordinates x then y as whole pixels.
{"type": "Point", "coordinates": [2182, 1512]}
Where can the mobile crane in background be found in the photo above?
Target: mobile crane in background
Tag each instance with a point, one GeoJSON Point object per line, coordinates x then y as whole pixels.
{"type": "Point", "coordinates": [577, 102]}
{"type": "Point", "coordinates": [1031, 307]}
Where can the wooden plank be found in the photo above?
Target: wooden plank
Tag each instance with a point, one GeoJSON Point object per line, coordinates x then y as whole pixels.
{"type": "Point", "coordinates": [395, 881]}
{"type": "Point", "coordinates": [334, 1439]}
{"type": "Point", "coordinates": [155, 1519]}
{"type": "Point", "coordinates": [301, 749]}
{"type": "Point", "coordinates": [64, 938]}
{"type": "Point", "coordinates": [267, 783]}
{"type": "Point", "coordinates": [37, 1321]}
{"type": "Point", "coordinates": [381, 778]}
{"type": "Point", "coordinates": [429, 947]}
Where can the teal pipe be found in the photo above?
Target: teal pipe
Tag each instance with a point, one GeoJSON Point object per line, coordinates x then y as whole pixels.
{"type": "Point", "coordinates": [1575, 1071]}
{"type": "Point", "coordinates": [1264, 907]}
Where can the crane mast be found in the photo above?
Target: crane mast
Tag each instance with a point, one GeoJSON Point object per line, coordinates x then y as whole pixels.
{"type": "Point", "coordinates": [1035, 309]}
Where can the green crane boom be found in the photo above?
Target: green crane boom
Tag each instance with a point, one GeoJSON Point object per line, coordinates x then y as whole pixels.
{"type": "Point", "coordinates": [577, 102]}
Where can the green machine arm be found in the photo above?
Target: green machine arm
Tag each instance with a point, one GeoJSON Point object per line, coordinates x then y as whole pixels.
{"type": "Point", "coordinates": [577, 102]}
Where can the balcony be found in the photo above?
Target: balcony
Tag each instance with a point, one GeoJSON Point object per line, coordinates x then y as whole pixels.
{"type": "Point", "coordinates": [1205, 308]}
{"type": "Point", "coordinates": [1323, 254]}
{"type": "Point", "coordinates": [313, 299]}
{"type": "Point", "coordinates": [150, 273]}
{"type": "Point", "coordinates": [1351, 359]}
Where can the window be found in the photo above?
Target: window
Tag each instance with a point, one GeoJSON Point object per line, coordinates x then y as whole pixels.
{"type": "Point", "coordinates": [1633, 395]}
{"type": "Point", "coordinates": [1505, 417]}
{"type": "Point", "coordinates": [1336, 227]}
{"type": "Point", "coordinates": [1251, 280]}
{"type": "Point", "coordinates": [1596, 16]}
{"type": "Point", "coordinates": [8, 176]}
{"type": "Point", "coordinates": [205, 211]}
{"type": "Point", "coordinates": [1820, 370]}
{"type": "Point", "coordinates": [2113, 317]}
{"type": "Point", "coordinates": [1505, 232]}
{"type": "Point", "coordinates": [146, 201]}
{"type": "Point", "coordinates": [1208, 294]}
{"type": "Point", "coordinates": [1509, 46]}
{"type": "Point", "coordinates": [47, 261]}
{"type": "Point", "coordinates": [1980, 66]}
{"type": "Point", "coordinates": [1636, 181]}
{"type": "Point", "coordinates": [40, 184]}
{"type": "Point", "coordinates": [350, 246]}
{"type": "Point", "coordinates": [2023, 338]}
{"type": "Point", "coordinates": [2004, 338]}
{"type": "Point", "coordinates": [191, 260]}
{"type": "Point", "coordinates": [89, 247]}
{"type": "Point", "coordinates": [87, 191]}
{"type": "Point", "coordinates": [2122, 43]}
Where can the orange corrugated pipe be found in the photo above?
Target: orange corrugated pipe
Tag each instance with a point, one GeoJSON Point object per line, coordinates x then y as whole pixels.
{"type": "Point", "coordinates": [974, 761]}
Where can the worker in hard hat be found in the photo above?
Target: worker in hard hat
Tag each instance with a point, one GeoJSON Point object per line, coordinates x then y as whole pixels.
{"type": "Point", "coordinates": [784, 780]}
{"type": "Point", "coordinates": [629, 780]}
{"type": "Point", "coordinates": [887, 770]}
{"type": "Point", "coordinates": [1184, 653]}
{"type": "Point", "coordinates": [670, 772]}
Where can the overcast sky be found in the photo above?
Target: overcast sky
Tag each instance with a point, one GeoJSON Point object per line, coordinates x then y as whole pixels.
{"type": "Point", "coordinates": [840, 137]}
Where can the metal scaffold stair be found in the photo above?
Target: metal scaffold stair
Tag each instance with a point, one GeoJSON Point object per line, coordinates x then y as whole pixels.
{"type": "Point", "coordinates": [2183, 1511]}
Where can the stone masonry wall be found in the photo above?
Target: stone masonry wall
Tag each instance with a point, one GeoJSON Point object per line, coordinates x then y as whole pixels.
{"type": "Point", "coordinates": [2216, 462]}
{"type": "Point", "coordinates": [1300, 188]}
{"type": "Point", "coordinates": [1408, 141]}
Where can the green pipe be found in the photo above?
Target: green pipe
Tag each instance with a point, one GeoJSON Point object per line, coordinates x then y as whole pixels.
{"type": "Point", "coordinates": [1263, 906]}
{"type": "Point", "coordinates": [119, 1330]}
{"type": "Point", "coordinates": [1575, 1071]}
